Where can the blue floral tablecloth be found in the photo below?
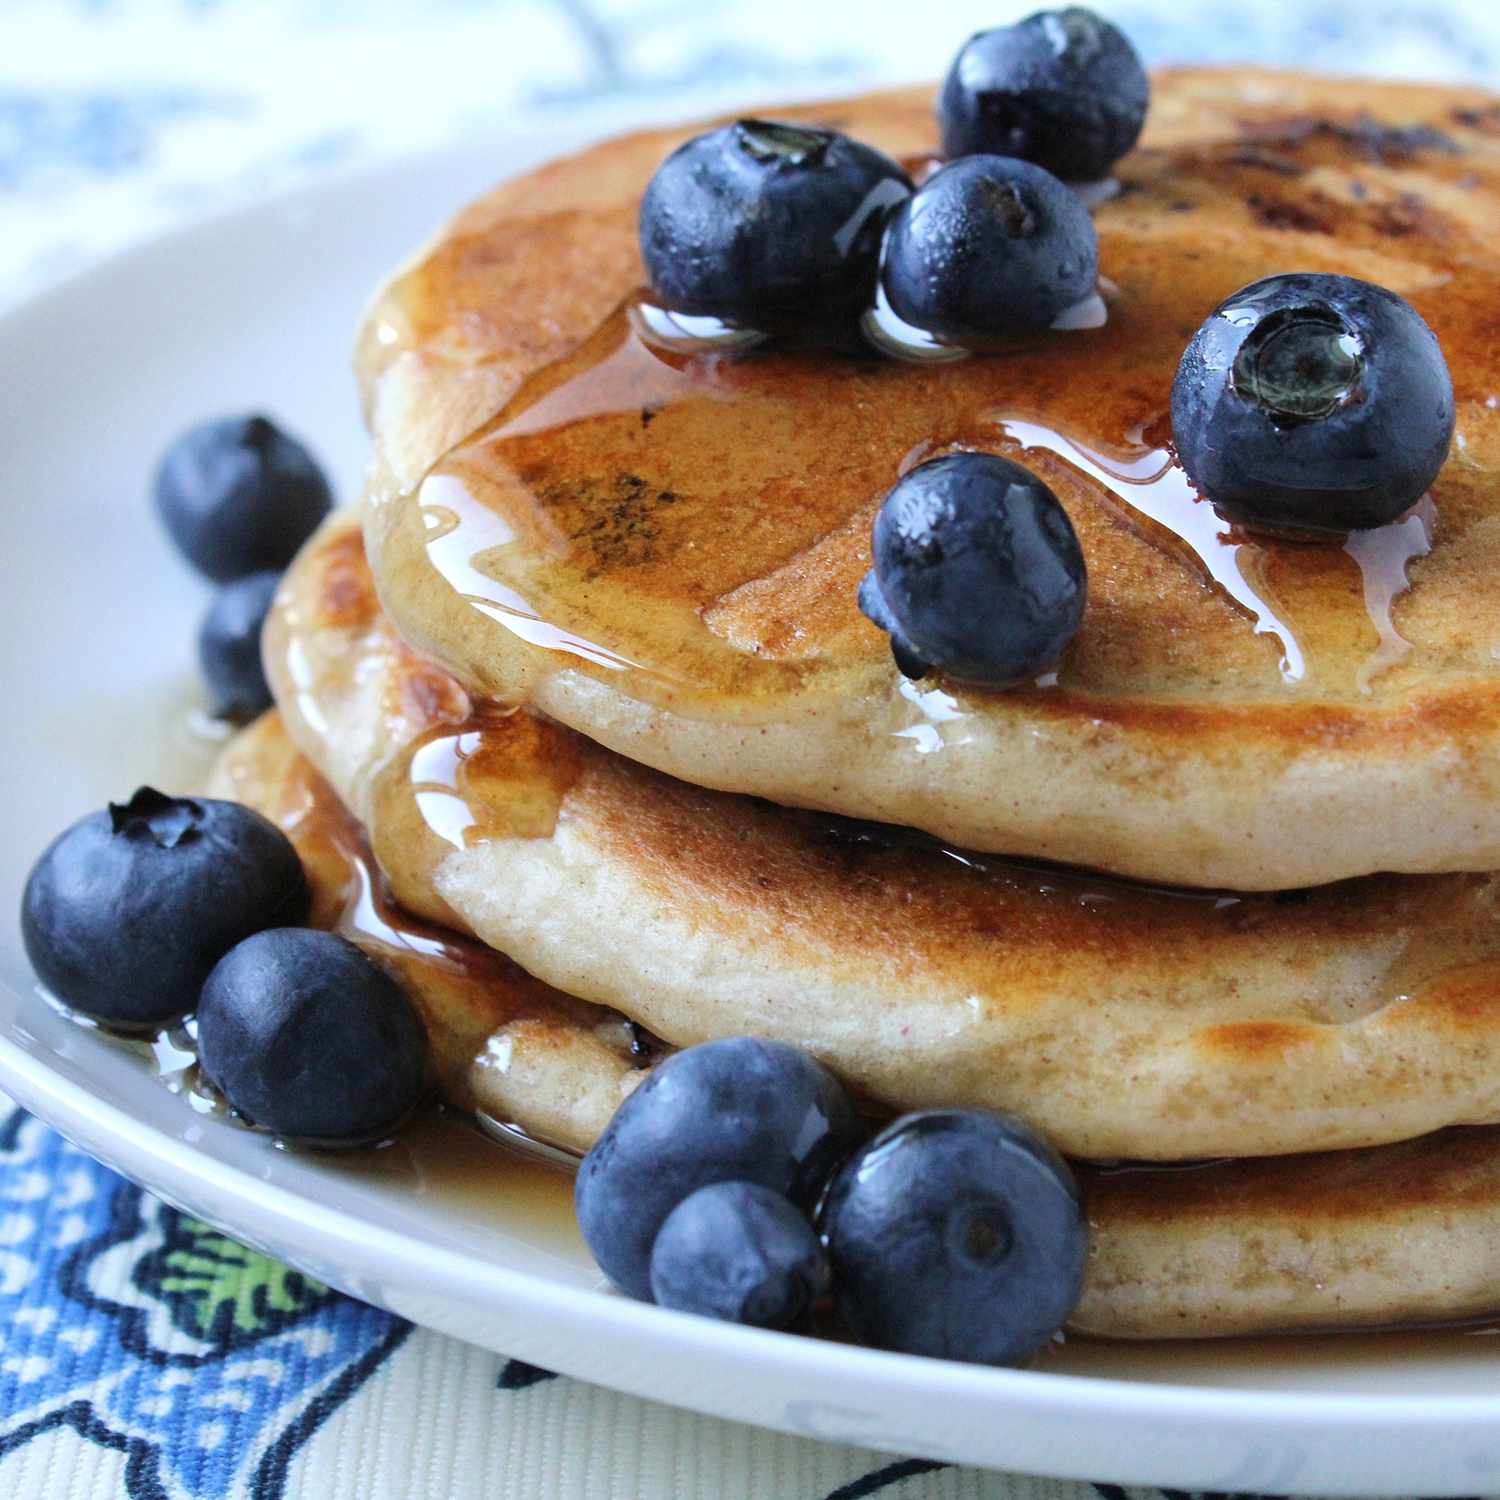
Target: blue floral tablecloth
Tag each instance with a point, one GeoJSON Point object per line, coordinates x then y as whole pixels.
{"type": "Point", "coordinates": [143, 1354]}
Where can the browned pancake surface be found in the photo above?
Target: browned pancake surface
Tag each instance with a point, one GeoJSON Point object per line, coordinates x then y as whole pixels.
{"type": "Point", "coordinates": [663, 550]}
{"type": "Point", "coordinates": [1128, 1021]}
{"type": "Point", "coordinates": [502, 1042]}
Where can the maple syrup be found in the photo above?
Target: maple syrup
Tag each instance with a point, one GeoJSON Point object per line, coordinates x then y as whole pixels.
{"type": "Point", "coordinates": [680, 522]}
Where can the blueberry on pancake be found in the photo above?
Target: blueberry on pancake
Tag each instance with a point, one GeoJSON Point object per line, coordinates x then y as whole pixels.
{"type": "Point", "coordinates": [1313, 403]}
{"type": "Point", "coordinates": [767, 224]}
{"type": "Point", "coordinates": [977, 571]}
{"type": "Point", "coordinates": [987, 247]}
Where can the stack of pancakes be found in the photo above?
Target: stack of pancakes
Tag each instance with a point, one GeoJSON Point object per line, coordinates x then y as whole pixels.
{"type": "Point", "coordinates": [580, 727]}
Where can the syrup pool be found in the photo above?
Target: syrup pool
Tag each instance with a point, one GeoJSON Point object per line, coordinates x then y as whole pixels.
{"type": "Point", "coordinates": [491, 1178]}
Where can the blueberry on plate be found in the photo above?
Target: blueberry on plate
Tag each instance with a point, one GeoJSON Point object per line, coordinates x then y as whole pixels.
{"type": "Point", "coordinates": [127, 912]}
{"type": "Point", "coordinates": [732, 1110]}
{"type": "Point", "coordinates": [740, 1252]}
{"type": "Point", "coordinates": [239, 496]}
{"type": "Point", "coordinates": [977, 571]}
{"type": "Point", "coordinates": [1313, 403]}
{"type": "Point", "coordinates": [229, 647]}
{"type": "Point", "coordinates": [1063, 88]}
{"type": "Point", "coordinates": [307, 1037]}
{"type": "Point", "coordinates": [988, 246]}
{"type": "Point", "coordinates": [768, 225]}
{"type": "Point", "coordinates": [958, 1234]}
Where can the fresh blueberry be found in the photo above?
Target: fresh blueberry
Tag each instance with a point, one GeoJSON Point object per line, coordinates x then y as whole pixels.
{"type": "Point", "coordinates": [736, 1109]}
{"type": "Point", "coordinates": [986, 247]}
{"type": "Point", "coordinates": [956, 1233]}
{"type": "Point", "coordinates": [306, 1036]}
{"type": "Point", "coordinates": [239, 496]}
{"type": "Point", "coordinates": [229, 647]}
{"type": "Point", "coordinates": [740, 1252]}
{"type": "Point", "coordinates": [126, 912]}
{"type": "Point", "coordinates": [977, 571]}
{"type": "Point", "coordinates": [767, 225]}
{"type": "Point", "coordinates": [1063, 88]}
{"type": "Point", "coordinates": [1313, 403]}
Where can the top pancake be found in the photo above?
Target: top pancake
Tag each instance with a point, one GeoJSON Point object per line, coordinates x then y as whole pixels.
{"type": "Point", "coordinates": [662, 550]}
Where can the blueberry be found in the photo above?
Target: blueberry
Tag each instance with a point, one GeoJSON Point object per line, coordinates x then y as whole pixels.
{"type": "Point", "coordinates": [239, 496]}
{"type": "Point", "coordinates": [126, 912]}
{"type": "Point", "coordinates": [737, 1109]}
{"type": "Point", "coordinates": [229, 647]}
{"type": "Point", "coordinates": [986, 247]}
{"type": "Point", "coordinates": [740, 1252]}
{"type": "Point", "coordinates": [1063, 88]}
{"type": "Point", "coordinates": [956, 1233]}
{"type": "Point", "coordinates": [977, 571]}
{"type": "Point", "coordinates": [769, 226]}
{"type": "Point", "coordinates": [306, 1036]}
{"type": "Point", "coordinates": [1314, 403]}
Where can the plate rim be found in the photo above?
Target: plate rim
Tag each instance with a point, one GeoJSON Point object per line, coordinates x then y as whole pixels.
{"type": "Point", "coordinates": [30, 1079]}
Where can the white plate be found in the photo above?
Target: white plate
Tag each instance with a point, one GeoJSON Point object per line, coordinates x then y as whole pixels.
{"type": "Point", "coordinates": [256, 309]}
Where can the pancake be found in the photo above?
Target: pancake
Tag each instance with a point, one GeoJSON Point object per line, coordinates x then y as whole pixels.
{"type": "Point", "coordinates": [661, 550]}
{"type": "Point", "coordinates": [504, 1044]}
{"type": "Point", "coordinates": [1125, 1021]}
{"type": "Point", "coordinates": [1399, 1234]}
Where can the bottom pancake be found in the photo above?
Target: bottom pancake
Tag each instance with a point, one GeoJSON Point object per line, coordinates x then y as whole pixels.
{"type": "Point", "coordinates": [1388, 1235]}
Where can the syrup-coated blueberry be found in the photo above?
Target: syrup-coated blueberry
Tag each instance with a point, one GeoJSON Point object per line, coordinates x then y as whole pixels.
{"type": "Point", "coordinates": [768, 225]}
{"type": "Point", "coordinates": [229, 647]}
{"type": "Point", "coordinates": [126, 913]}
{"type": "Point", "coordinates": [305, 1035]}
{"type": "Point", "coordinates": [1062, 88]}
{"type": "Point", "coordinates": [986, 247]}
{"type": "Point", "coordinates": [735, 1109]}
{"type": "Point", "coordinates": [239, 496]}
{"type": "Point", "coordinates": [958, 1234]}
{"type": "Point", "coordinates": [977, 571]}
{"type": "Point", "coordinates": [740, 1252]}
{"type": "Point", "coordinates": [1313, 403]}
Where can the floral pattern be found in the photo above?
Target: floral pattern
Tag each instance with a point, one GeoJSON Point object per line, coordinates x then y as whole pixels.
{"type": "Point", "coordinates": [150, 1333]}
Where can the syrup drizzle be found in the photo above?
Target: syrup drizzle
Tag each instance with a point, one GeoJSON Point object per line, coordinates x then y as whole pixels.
{"type": "Point", "coordinates": [1385, 555]}
{"type": "Point", "coordinates": [372, 920]}
{"type": "Point", "coordinates": [460, 530]}
{"type": "Point", "coordinates": [501, 774]}
{"type": "Point", "coordinates": [636, 364]}
{"type": "Point", "coordinates": [1153, 485]}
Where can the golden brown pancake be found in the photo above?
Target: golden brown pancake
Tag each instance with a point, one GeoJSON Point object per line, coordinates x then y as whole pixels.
{"type": "Point", "coordinates": [503, 1043]}
{"type": "Point", "coordinates": [1398, 1234]}
{"type": "Point", "coordinates": [1403, 1234]}
{"type": "Point", "coordinates": [1125, 1021]}
{"type": "Point", "coordinates": [661, 550]}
